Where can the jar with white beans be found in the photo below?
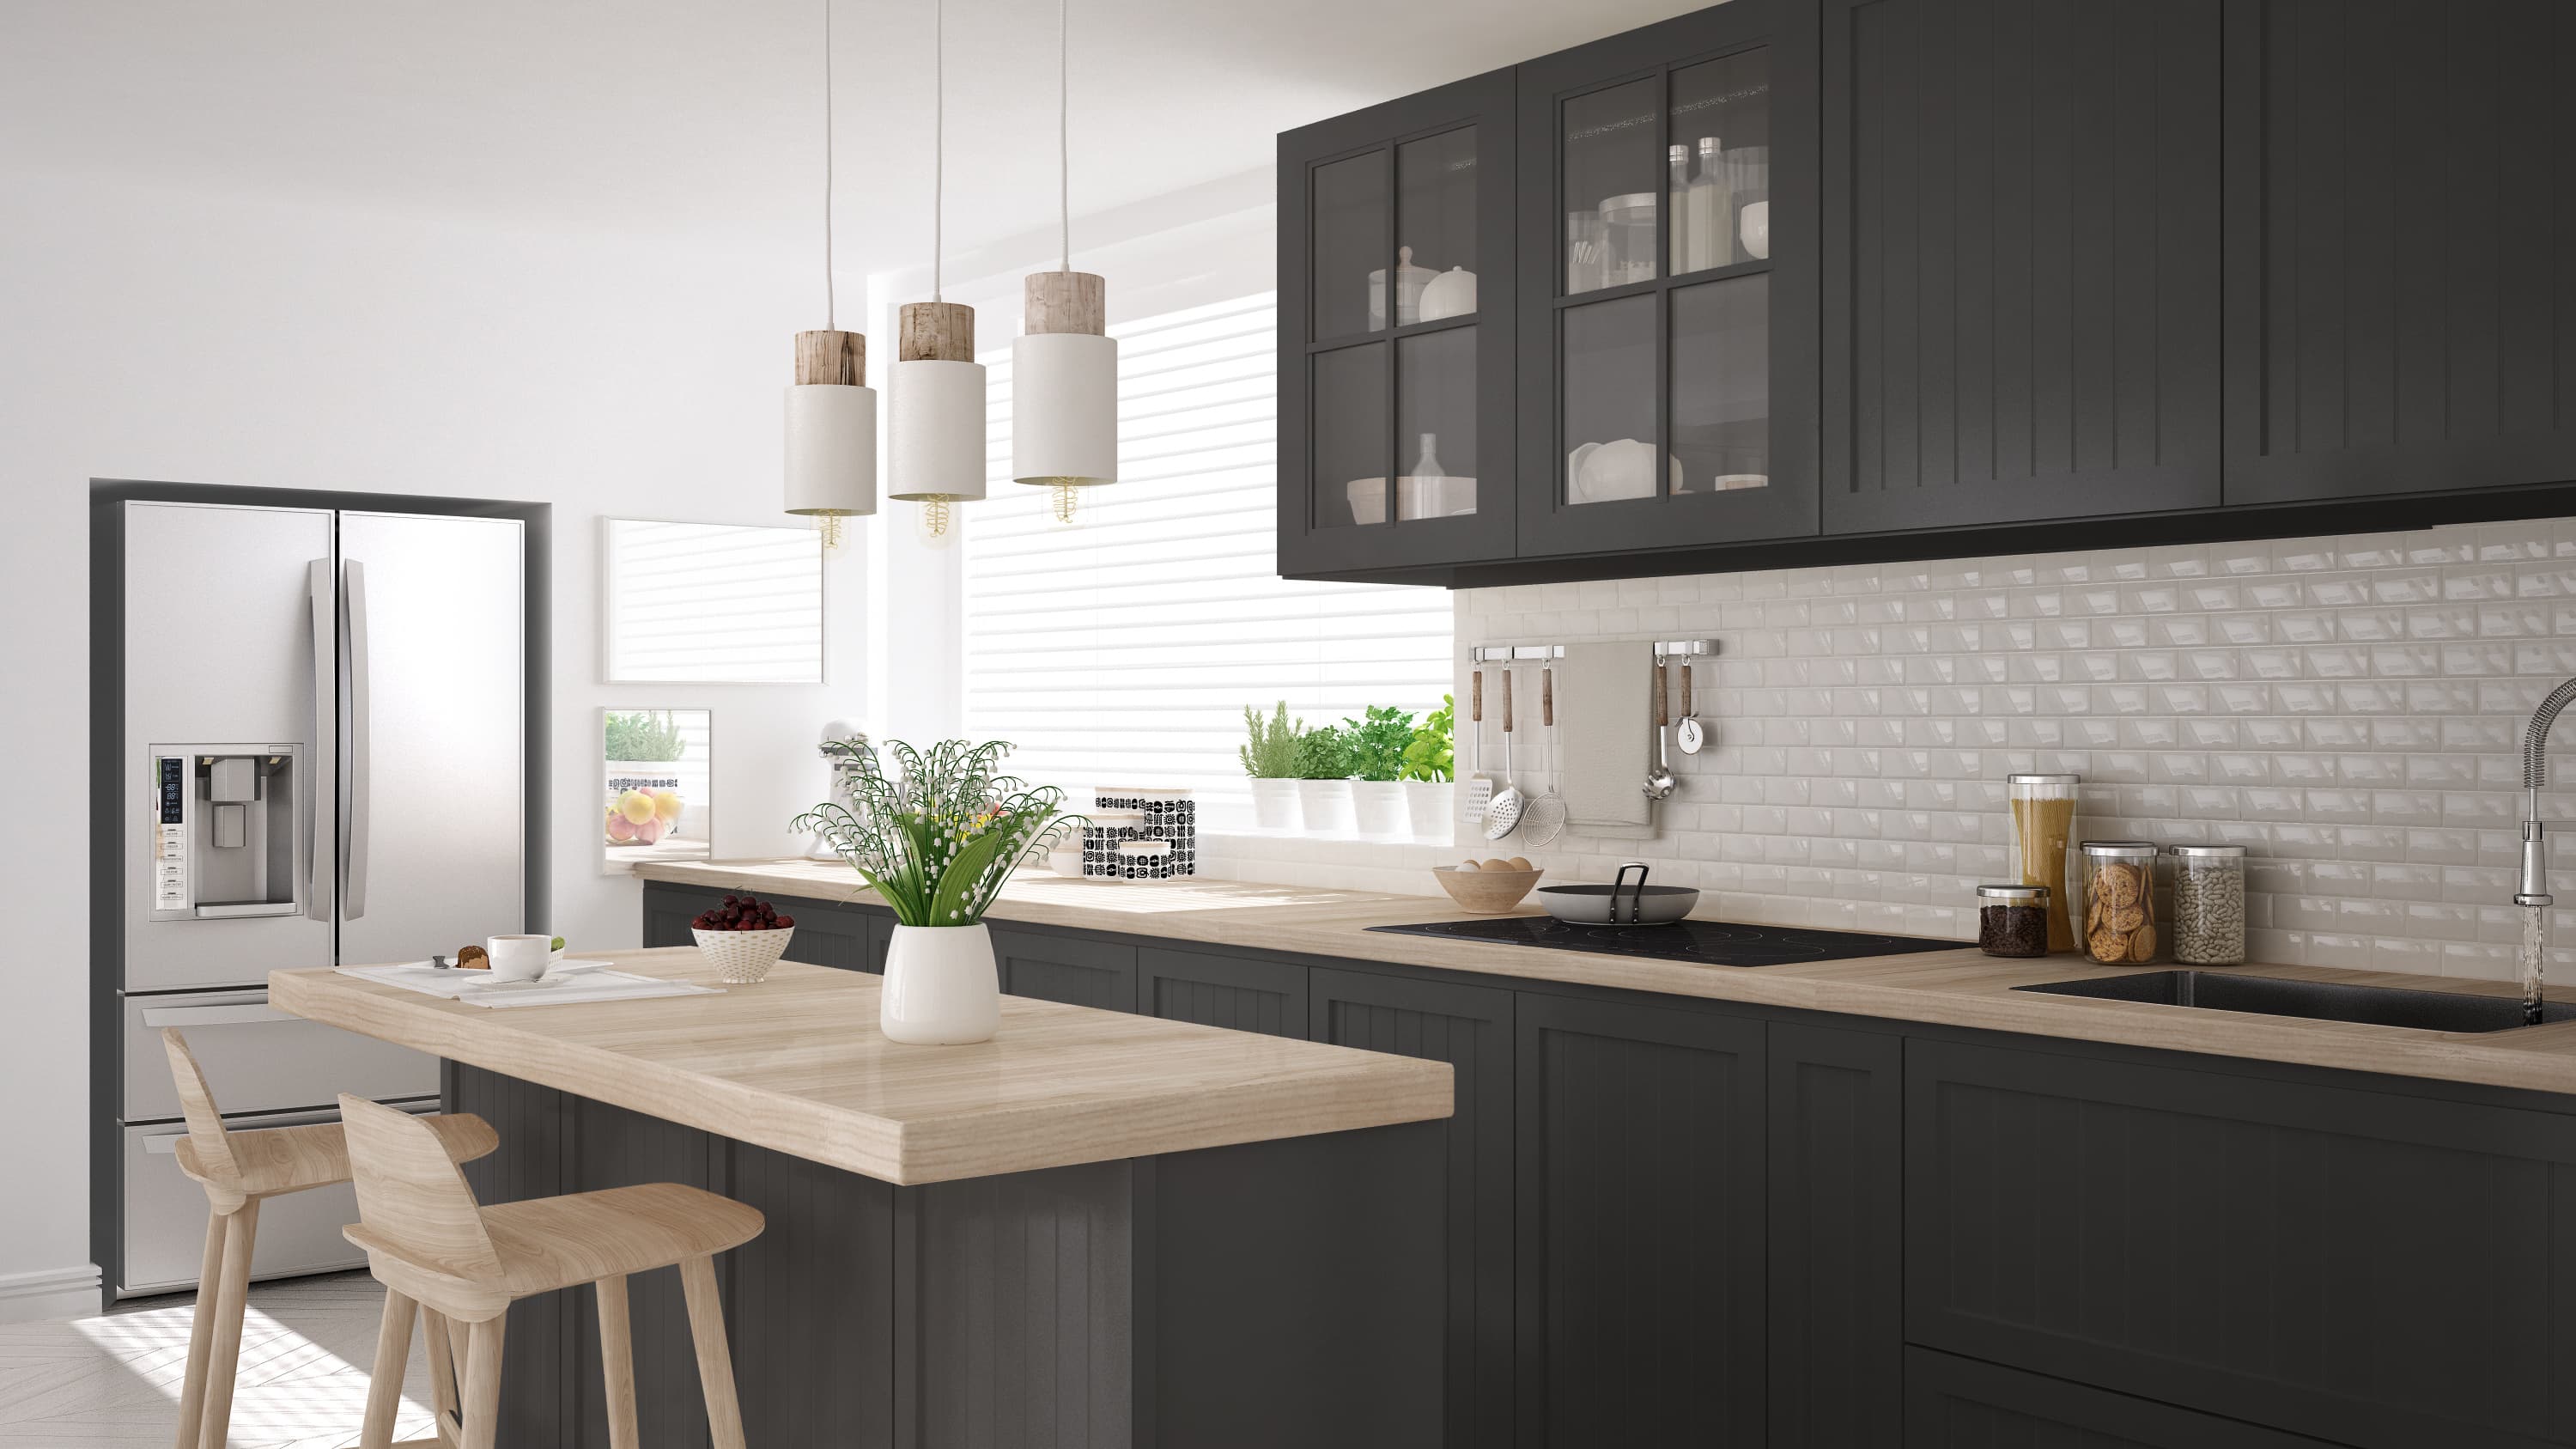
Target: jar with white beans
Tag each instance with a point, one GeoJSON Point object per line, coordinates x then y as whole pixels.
{"type": "Point", "coordinates": [2209, 905]}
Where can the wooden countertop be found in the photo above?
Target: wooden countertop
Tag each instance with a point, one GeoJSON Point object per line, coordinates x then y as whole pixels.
{"type": "Point", "coordinates": [797, 1064]}
{"type": "Point", "coordinates": [1951, 988]}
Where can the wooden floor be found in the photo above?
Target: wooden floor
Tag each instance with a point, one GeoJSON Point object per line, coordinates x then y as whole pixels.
{"type": "Point", "coordinates": [113, 1381]}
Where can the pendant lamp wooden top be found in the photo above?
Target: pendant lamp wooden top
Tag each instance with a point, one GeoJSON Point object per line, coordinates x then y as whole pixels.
{"type": "Point", "coordinates": [936, 332]}
{"type": "Point", "coordinates": [825, 357]}
{"type": "Point", "coordinates": [1055, 302]}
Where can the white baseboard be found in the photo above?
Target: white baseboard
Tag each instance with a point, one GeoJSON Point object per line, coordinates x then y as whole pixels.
{"type": "Point", "coordinates": [50, 1293]}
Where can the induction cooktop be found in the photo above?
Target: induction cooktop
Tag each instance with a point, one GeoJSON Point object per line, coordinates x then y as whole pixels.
{"type": "Point", "coordinates": [1711, 943]}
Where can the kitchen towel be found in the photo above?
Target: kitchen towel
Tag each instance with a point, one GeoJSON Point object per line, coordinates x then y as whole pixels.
{"type": "Point", "coordinates": [1604, 713]}
{"type": "Point", "coordinates": [570, 982]}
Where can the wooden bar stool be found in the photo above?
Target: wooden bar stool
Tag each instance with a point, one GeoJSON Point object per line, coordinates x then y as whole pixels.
{"type": "Point", "coordinates": [431, 1245]}
{"type": "Point", "coordinates": [239, 1170]}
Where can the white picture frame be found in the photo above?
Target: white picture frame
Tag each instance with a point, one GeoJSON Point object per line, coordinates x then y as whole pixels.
{"type": "Point", "coordinates": [678, 792]}
{"type": "Point", "coordinates": [684, 602]}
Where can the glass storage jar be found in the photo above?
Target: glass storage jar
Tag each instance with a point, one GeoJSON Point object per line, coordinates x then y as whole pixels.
{"type": "Point", "coordinates": [2119, 926]}
{"type": "Point", "coordinates": [2209, 905]}
{"type": "Point", "coordinates": [2012, 920]}
{"type": "Point", "coordinates": [2043, 811]}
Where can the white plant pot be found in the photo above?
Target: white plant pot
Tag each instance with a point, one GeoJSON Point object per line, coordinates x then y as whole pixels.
{"type": "Point", "coordinates": [1379, 805]}
{"type": "Point", "coordinates": [1274, 804]}
{"type": "Point", "coordinates": [1431, 803]}
{"type": "Point", "coordinates": [941, 987]}
{"type": "Point", "coordinates": [1326, 807]}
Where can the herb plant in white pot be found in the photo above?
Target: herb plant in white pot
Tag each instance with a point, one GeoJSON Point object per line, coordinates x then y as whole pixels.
{"type": "Point", "coordinates": [937, 845]}
{"type": "Point", "coordinates": [1270, 758]}
{"type": "Point", "coordinates": [1324, 786]}
{"type": "Point", "coordinates": [1377, 765]}
{"type": "Point", "coordinates": [1430, 766]}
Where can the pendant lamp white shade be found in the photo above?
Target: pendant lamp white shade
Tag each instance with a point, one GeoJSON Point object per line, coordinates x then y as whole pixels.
{"type": "Point", "coordinates": [935, 431]}
{"type": "Point", "coordinates": [1064, 409]}
{"type": "Point", "coordinates": [831, 449]}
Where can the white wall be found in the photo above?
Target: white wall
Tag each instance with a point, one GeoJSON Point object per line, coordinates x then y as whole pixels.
{"type": "Point", "coordinates": [222, 339]}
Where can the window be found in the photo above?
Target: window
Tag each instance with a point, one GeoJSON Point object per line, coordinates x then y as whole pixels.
{"type": "Point", "coordinates": [1122, 650]}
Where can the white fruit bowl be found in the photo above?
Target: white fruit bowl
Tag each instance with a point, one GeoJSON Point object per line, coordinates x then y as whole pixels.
{"type": "Point", "coordinates": [743, 958]}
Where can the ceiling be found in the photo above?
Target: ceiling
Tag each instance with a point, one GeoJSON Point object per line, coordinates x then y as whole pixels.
{"type": "Point", "coordinates": [698, 116]}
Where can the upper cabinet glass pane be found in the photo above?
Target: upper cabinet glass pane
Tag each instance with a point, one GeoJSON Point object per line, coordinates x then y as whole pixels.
{"type": "Point", "coordinates": [1352, 206]}
{"type": "Point", "coordinates": [1350, 436]}
{"type": "Point", "coordinates": [1717, 183]}
{"type": "Point", "coordinates": [1721, 382]}
{"type": "Point", "coordinates": [1614, 180]}
{"type": "Point", "coordinates": [1608, 367]}
{"type": "Point", "coordinates": [1435, 229]}
{"type": "Point", "coordinates": [1435, 424]}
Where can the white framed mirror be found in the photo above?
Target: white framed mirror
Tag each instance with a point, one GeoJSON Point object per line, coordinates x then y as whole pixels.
{"type": "Point", "coordinates": [657, 767]}
{"type": "Point", "coordinates": [710, 603]}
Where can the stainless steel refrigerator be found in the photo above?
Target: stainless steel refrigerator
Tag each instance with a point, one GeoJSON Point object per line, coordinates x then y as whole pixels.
{"type": "Point", "coordinates": [323, 756]}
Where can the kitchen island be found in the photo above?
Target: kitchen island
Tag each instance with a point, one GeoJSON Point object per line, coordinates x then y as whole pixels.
{"type": "Point", "coordinates": [1096, 1229]}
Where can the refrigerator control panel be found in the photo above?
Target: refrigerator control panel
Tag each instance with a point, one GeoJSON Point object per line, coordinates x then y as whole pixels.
{"type": "Point", "coordinates": [170, 834]}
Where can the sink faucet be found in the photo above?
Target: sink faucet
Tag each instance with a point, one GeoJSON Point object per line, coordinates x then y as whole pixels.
{"type": "Point", "coordinates": [2534, 895]}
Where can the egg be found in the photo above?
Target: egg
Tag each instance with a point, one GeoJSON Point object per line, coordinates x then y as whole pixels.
{"type": "Point", "coordinates": [1520, 862]}
{"type": "Point", "coordinates": [1470, 865]}
{"type": "Point", "coordinates": [1502, 865]}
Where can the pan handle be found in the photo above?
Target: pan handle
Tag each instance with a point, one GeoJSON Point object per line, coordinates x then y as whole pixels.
{"type": "Point", "coordinates": [1636, 898]}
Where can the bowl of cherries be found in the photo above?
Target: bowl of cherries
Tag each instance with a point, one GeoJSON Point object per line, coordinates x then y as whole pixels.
{"type": "Point", "coordinates": [744, 936]}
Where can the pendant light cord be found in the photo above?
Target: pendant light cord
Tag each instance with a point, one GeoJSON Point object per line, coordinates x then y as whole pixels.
{"type": "Point", "coordinates": [830, 313]}
{"type": "Point", "coordinates": [1063, 128]}
{"type": "Point", "coordinates": [938, 132]}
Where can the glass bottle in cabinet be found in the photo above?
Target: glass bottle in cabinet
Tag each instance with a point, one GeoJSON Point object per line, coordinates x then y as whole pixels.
{"type": "Point", "coordinates": [1708, 215]}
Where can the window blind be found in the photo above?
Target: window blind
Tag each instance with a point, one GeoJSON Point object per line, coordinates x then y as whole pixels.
{"type": "Point", "coordinates": [1122, 650]}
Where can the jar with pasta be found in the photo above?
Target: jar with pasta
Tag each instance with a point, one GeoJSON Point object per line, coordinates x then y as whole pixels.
{"type": "Point", "coordinates": [2043, 812]}
{"type": "Point", "coordinates": [2119, 924]}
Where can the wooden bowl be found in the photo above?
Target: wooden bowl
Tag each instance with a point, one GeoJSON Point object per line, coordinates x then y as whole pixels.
{"type": "Point", "coordinates": [1489, 891]}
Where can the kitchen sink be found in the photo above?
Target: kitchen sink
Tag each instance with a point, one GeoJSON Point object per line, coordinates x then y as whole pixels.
{"type": "Point", "coordinates": [2315, 1000]}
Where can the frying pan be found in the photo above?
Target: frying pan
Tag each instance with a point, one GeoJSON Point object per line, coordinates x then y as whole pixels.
{"type": "Point", "coordinates": [1620, 903]}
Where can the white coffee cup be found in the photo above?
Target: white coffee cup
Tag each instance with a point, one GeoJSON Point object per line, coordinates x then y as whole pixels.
{"type": "Point", "coordinates": [519, 958]}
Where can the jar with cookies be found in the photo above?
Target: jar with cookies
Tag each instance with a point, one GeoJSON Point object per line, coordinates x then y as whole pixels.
{"type": "Point", "coordinates": [2119, 922]}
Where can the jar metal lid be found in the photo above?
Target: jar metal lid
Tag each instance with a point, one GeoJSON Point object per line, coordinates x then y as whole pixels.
{"type": "Point", "coordinates": [2013, 892]}
{"type": "Point", "coordinates": [2042, 779]}
{"type": "Point", "coordinates": [2120, 849]}
{"type": "Point", "coordinates": [2210, 852]}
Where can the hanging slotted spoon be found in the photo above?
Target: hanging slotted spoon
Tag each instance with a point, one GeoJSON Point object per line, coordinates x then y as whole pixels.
{"type": "Point", "coordinates": [1544, 820]}
{"type": "Point", "coordinates": [1503, 812]}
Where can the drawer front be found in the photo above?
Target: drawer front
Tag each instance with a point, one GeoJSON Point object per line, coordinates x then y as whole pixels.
{"type": "Point", "coordinates": [2371, 1269]}
{"type": "Point", "coordinates": [1071, 969]}
{"type": "Point", "coordinates": [258, 1059]}
{"type": "Point", "coordinates": [1958, 1403]}
{"type": "Point", "coordinates": [1235, 992]}
{"type": "Point", "coordinates": [165, 1214]}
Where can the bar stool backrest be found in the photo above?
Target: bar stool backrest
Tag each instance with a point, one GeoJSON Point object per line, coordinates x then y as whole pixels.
{"type": "Point", "coordinates": [214, 1150]}
{"type": "Point", "coordinates": [411, 1196]}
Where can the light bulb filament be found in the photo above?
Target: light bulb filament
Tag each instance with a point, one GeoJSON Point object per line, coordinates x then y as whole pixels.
{"type": "Point", "coordinates": [1066, 496]}
{"type": "Point", "coordinates": [934, 514]}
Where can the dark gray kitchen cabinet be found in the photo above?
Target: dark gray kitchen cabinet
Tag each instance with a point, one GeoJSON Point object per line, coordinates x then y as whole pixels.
{"type": "Point", "coordinates": [2401, 304]}
{"type": "Point", "coordinates": [1080, 970]}
{"type": "Point", "coordinates": [1668, 304]}
{"type": "Point", "coordinates": [1395, 403]}
{"type": "Point", "coordinates": [2022, 258]}
{"type": "Point", "coordinates": [668, 909]}
{"type": "Point", "coordinates": [1836, 1234]}
{"type": "Point", "coordinates": [1639, 1220]}
{"type": "Point", "coordinates": [2369, 1268]}
{"type": "Point", "coordinates": [1470, 1028]}
{"type": "Point", "coordinates": [1958, 1403]}
{"type": "Point", "coordinates": [846, 937]}
{"type": "Point", "coordinates": [1240, 993]}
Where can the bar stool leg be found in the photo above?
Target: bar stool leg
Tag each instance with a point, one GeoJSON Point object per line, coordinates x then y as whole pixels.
{"type": "Point", "coordinates": [482, 1389]}
{"type": "Point", "coordinates": [241, 1234]}
{"type": "Point", "coordinates": [384, 1381]}
{"type": "Point", "coordinates": [616, 1362]}
{"type": "Point", "coordinates": [715, 1356]}
{"type": "Point", "coordinates": [201, 1334]}
{"type": "Point", "coordinates": [441, 1352]}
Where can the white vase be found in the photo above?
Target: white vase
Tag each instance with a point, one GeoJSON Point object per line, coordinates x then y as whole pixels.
{"type": "Point", "coordinates": [1326, 807]}
{"type": "Point", "coordinates": [1430, 803]}
{"type": "Point", "coordinates": [1274, 804]}
{"type": "Point", "coordinates": [941, 987]}
{"type": "Point", "coordinates": [1379, 806]}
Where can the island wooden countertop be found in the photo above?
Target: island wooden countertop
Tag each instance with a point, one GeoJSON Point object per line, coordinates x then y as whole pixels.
{"type": "Point", "coordinates": [797, 1064]}
{"type": "Point", "coordinates": [1961, 987]}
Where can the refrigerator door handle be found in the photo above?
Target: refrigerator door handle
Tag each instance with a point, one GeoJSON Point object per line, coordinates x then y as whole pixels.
{"type": "Point", "coordinates": [239, 1013]}
{"type": "Point", "coordinates": [353, 604]}
{"type": "Point", "coordinates": [321, 850]}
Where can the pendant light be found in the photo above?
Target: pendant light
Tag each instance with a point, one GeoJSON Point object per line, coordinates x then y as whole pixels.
{"type": "Point", "coordinates": [935, 449]}
{"type": "Point", "coordinates": [831, 410]}
{"type": "Point", "coordinates": [1064, 367]}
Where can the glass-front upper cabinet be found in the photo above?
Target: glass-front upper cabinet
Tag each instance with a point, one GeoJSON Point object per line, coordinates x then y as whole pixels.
{"type": "Point", "coordinates": [1667, 345]}
{"type": "Point", "coordinates": [1397, 272]}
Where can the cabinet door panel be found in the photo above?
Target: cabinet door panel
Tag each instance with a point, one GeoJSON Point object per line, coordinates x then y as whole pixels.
{"type": "Point", "coordinates": [1837, 1172]}
{"type": "Point", "coordinates": [2021, 220]}
{"type": "Point", "coordinates": [1957, 1403]}
{"type": "Point", "coordinates": [2402, 315]}
{"type": "Point", "coordinates": [668, 909]}
{"type": "Point", "coordinates": [829, 935]}
{"type": "Point", "coordinates": [1072, 969]}
{"type": "Point", "coordinates": [1469, 1027]}
{"type": "Point", "coordinates": [1240, 993]}
{"type": "Point", "coordinates": [2373, 1269]}
{"type": "Point", "coordinates": [1639, 1218]}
